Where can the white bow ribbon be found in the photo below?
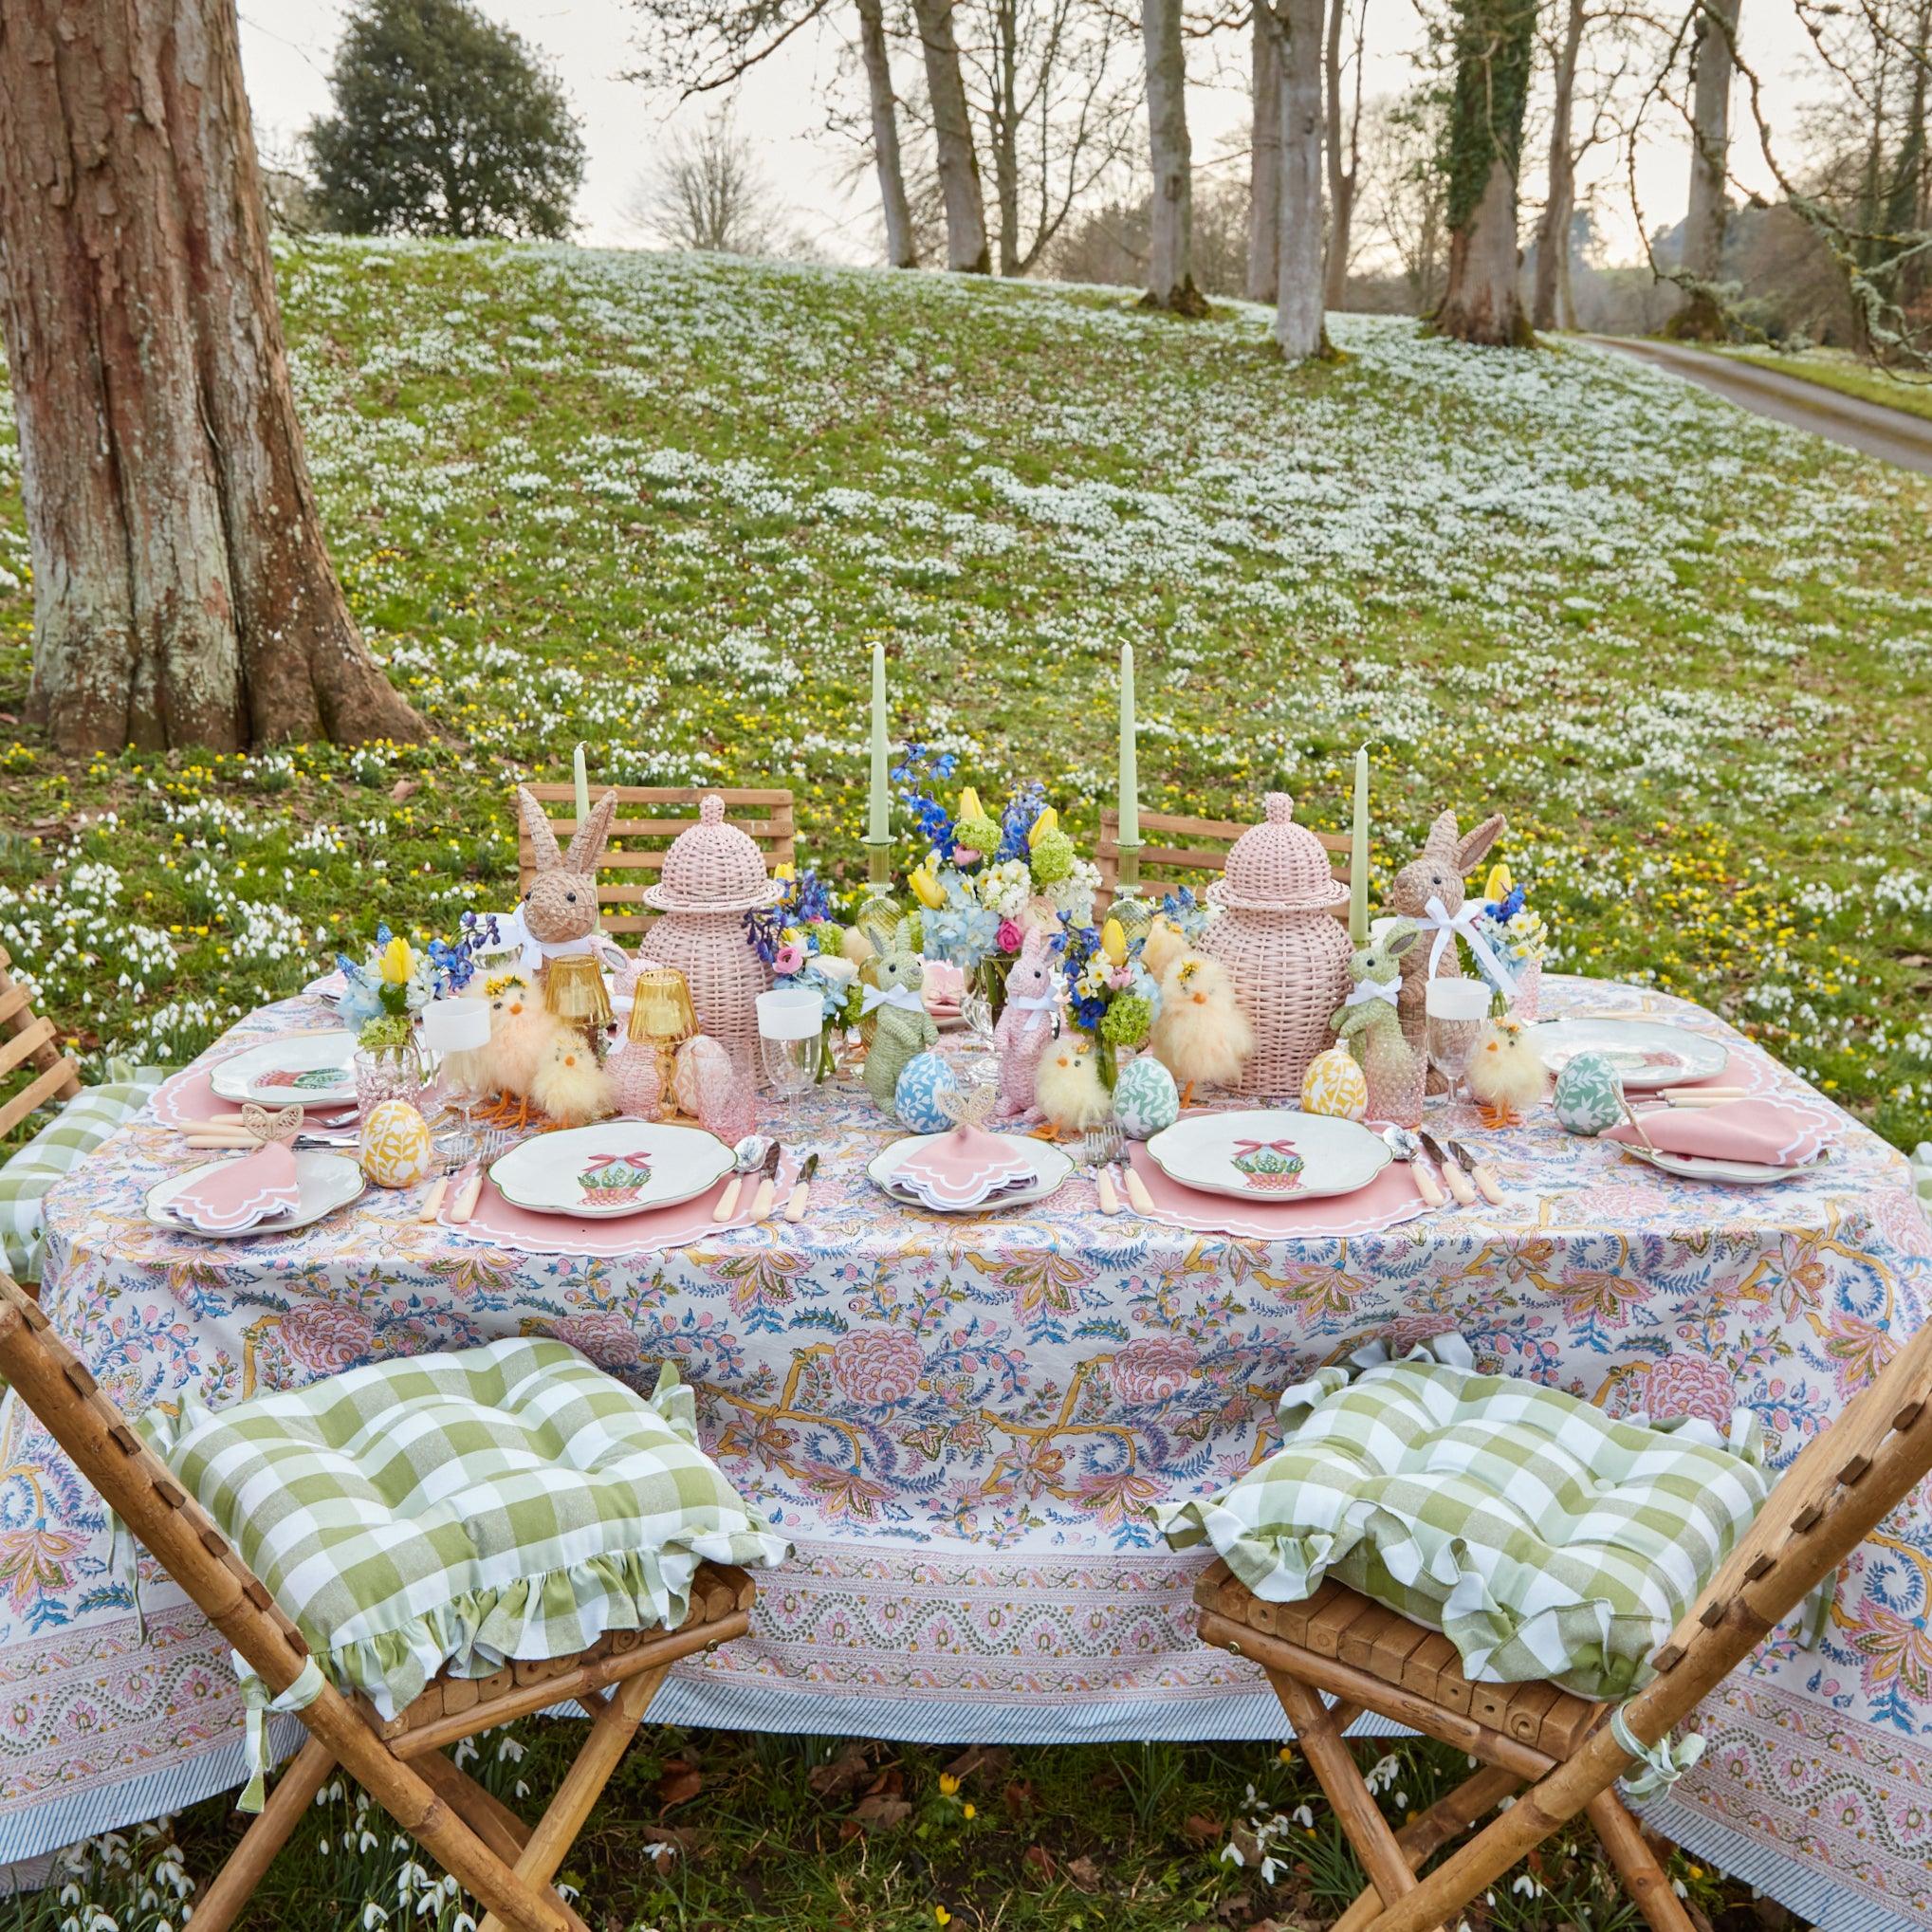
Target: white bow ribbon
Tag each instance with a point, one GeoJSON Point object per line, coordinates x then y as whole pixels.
{"type": "Point", "coordinates": [1032, 1002]}
{"type": "Point", "coordinates": [1448, 925]}
{"type": "Point", "coordinates": [1366, 990]}
{"type": "Point", "coordinates": [903, 997]}
{"type": "Point", "coordinates": [256, 1703]}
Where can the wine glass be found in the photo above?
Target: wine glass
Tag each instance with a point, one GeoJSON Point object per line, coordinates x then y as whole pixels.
{"type": "Point", "coordinates": [791, 1024]}
{"type": "Point", "coordinates": [1453, 1009]}
{"type": "Point", "coordinates": [458, 1026]}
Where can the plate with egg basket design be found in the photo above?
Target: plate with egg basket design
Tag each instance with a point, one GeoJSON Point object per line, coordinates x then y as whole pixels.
{"type": "Point", "coordinates": [1268, 1153]}
{"type": "Point", "coordinates": [612, 1169]}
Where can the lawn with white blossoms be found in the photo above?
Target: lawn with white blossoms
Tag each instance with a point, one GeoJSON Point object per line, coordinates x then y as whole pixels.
{"type": "Point", "coordinates": [664, 504]}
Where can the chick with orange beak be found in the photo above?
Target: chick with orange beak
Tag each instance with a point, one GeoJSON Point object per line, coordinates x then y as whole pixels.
{"type": "Point", "coordinates": [1200, 1034]}
{"type": "Point", "coordinates": [569, 1085]}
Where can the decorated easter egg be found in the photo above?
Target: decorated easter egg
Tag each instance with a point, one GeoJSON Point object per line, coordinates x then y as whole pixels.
{"type": "Point", "coordinates": [702, 1079]}
{"type": "Point", "coordinates": [397, 1148]}
{"type": "Point", "coordinates": [1335, 1084]}
{"type": "Point", "coordinates": [916, 1100]}
{"type": "Point", "coordinates": [1590, 1094]}
{"type": "Point", "coordinates": [1145, 1098]}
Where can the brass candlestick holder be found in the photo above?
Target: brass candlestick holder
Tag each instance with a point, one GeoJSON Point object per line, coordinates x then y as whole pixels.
{"type": "Point", "coordinates": [662, 1018]}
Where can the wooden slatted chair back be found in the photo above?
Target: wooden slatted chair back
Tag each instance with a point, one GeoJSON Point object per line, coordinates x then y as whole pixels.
{"type": "Point", "coordinates": [650, 818]}
{"type": "Point", "coordinates": [1177, 851]}
{"type": "Point", "coordinates": [28, 1046]}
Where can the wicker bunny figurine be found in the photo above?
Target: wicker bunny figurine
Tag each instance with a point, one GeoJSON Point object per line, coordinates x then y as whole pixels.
{"type": "Point", "coordinates": [1026, 1025]}
{"type": "Point", "coordinates": [560, 910]}
{"type": "Point", "coordinates": [1429, 891]}
{"type": "Point", "coordinates": [1368, 1022]}
{"type": "Point", "coordinates": [904, 1028]}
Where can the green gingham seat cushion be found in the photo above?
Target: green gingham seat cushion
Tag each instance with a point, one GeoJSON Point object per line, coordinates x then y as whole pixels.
{"type": "Point", "coordinates": [60, 1146]}
{"type": "Point", "coordinates": [1542, 1538]}
{"type": "Point", "coordinates": [505, 1501]}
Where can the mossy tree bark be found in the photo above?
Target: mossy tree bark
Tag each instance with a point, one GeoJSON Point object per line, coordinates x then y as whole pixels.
{"type": "Point", "coordinates": [902, 248]}
{"type": "Point", "coordinates": [182, 591]}
{"type": "Point", "coordinates": [1265, 161]}
{"type": "Point", "coordinates": [1713, 63]}
{"type": "Point", "coordinates": [1170, 225]}
{"type": "Point", "coordinates": [1550, 303]}
{"type": "Point", "coordinates": [1299, 323]}
{"type": "Point", "coordinates": [1494, 44]}
{"type": "Point", "coordinates": [966, 252]}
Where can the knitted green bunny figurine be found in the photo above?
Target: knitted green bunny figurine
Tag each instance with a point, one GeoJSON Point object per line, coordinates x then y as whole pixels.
{"type": "Point", "coordinates": [904, 1026]}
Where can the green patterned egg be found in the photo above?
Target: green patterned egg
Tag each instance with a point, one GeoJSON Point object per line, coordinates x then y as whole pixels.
{"type": "Point", "coordinates": [1146, 1098]}
{"type": "Point", "coordinates": [1590, 1094]}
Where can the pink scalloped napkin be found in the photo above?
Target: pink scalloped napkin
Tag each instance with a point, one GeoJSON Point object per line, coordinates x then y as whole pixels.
{"type": "Point", "coordinates": [232, 1196]}
{"type": "Point", "coordinates": [1390, 1199]}
{"type": "Point", "coordinates": [1759, 1132]}
{"type": "Point", "coordinates": [964, 1167]}
{"type": "Point", "coordinates": [607, 1238]}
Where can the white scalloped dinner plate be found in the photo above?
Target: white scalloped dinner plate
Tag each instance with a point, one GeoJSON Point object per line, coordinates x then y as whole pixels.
{"type": "Point", "coordinates": [569, 1171]}
{"type": "Point", "coordinates": [295, 1069]}
{"type": "Point", "coordinates": [1268, 1153]}
{"type": "Point", "coordinates": [1649, 1055]}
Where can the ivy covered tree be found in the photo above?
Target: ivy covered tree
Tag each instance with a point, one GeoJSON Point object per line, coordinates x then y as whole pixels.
{"type": "Point", "coordinates": [1495, 41]}
{"type": "Point", "coordinates": [445, 124]}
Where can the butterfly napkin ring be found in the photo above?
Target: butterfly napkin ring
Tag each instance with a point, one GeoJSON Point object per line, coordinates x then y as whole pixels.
{"type": "Point", "coordinates": [265, 1128]}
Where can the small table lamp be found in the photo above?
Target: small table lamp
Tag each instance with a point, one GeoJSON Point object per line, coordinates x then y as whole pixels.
{"type": "Point", "coordinates": [662, 1018]}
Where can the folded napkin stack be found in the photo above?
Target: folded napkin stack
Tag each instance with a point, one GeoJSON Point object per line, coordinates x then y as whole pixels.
{"type": "Point", "coordinates": [1758, 1133]}
{"type": "Point", "coordinates": [967, 1166]}
{"type": "Point", "coordinates": [260, 1188]}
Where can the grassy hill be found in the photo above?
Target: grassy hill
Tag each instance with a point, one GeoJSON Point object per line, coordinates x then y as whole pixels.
{"type": "Point", "coordinates": [664, 504]}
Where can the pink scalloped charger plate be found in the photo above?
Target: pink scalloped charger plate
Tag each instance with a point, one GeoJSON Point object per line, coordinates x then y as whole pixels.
{"type": "Point", "coordinates": [1385, 1202]}
{"type": "Point", "coordinates": [607, 1238]}
{"type": "Point", "coordinates": [188, 1099]}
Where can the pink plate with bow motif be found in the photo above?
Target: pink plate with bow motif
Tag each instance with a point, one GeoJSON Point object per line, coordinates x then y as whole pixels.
{"type": "Point", "coordinates": [1268, 1153]}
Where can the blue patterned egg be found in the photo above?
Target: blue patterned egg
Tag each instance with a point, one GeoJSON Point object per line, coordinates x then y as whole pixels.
{"type": "Point", "coordinates": [1146, 1099]}
{"type": "Point", "coordinates": [916, 1100]}
{"type": "Point", "coordinates": [1590, 1094]}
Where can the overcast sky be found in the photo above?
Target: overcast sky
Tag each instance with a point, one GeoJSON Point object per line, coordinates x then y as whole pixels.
{"type": "Point", "coordinates": [287, 45]}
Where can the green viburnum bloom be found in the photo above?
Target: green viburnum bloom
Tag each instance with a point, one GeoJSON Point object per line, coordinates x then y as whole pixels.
{"type": "Point", "coordinates": [1126, 1020]}
{"type": "Point", "coordinates": [1052, 859]}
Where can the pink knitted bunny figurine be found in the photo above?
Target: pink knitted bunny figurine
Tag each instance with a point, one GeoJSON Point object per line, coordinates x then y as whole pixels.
{"type": "Point", "coordinates": [1429, 891]}
{"type": "Point", "coordinates": [1026, 1025]}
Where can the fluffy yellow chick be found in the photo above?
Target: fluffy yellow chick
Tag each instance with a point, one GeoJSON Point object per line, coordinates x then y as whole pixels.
{"type": "Point", "coordinates": [569, 1085]}
{"type": "Point", "coordinates": [1165, 943]}
{"type": "Point", "coordinates": [1505, 1075]}
{"type": "Point", "coordinates": [520, 1036]}
{"type": "Point", "coordinates": [1201, 1035]}
{"type": "Point", "coordinates": [1067, 1085]}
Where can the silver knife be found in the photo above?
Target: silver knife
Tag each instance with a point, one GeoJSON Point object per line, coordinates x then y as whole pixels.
{"type": "Point", "coordinates": [1480, 1172]}
{"type": "Point", "coordinates": [1451, 1171]}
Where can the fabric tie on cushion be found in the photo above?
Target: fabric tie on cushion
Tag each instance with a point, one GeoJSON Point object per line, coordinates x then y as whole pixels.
{"type": "Point", "coordinates": [257, 1702]}
{"type": "Point", "coordinates": [1663, 1762]}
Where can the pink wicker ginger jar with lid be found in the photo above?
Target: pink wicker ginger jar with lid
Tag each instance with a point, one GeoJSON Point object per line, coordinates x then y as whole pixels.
{"type": "Point", "coordinates": [1281, 944]}
{"type": "Point", "coordinates": [713, 874]}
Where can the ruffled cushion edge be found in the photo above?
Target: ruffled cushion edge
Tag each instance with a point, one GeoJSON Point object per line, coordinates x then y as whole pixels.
{"type": "Point", "coordinates": [1281, 1567]}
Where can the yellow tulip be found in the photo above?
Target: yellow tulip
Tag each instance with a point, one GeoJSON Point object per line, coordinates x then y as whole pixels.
{"type": "Point", "coordinates": [970, 805]}
{"type": "Point", "coordinates": [786, 872]}
{"type": "Point", "coordinates": [927, 888]}
{"type": "Point", "coordinates": [1049, 820]}
{"type": "Point", "coordinates": [396, 962]}
{"type": "Point", "coordinates": [1114, 941]}
{"type": "Point", "coordinates": [1499, 882]}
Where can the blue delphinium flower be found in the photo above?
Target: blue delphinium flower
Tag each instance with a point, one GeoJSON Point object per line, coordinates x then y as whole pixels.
{"type": "Point", "coordinates": [1016, 821]}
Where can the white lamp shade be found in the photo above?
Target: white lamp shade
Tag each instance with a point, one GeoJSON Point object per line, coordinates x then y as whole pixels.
{"type": "Point", "coordinates": [455, 1026]}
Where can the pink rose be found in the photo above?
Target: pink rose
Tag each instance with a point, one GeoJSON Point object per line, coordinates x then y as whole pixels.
{"type": "Point", "coordinates": [1009, 938]}
{"type": "Point", "coordinates": [876, 1367]}
{"type": "Point", "coordinates": [787, 960]}
{"type": "Point", "coordinates": [1153, 1369]}
{"type": "Point", "coordinates": [965, 855]}
{"type": "Point", "coordinates": [1689, 1385]}
{"type": "Point", "coordinates": [327, 1337]}
{"type": "Point", "coordinates": [609, 1340]}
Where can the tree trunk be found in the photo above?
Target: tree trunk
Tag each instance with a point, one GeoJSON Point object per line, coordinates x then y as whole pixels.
{"type": "Point", "coordinates": [1494, 45]}
{"type": "Point", "coordinates": [1341, 176]}
{"type": "Point", "coordinates": [1264, 162]}
{"type": "Point", "coordinates": [1170, 223]}
{"type": "Point", "coordinates": [1702, 314]}
{"type": "Point", "coordinates": [902, 250]}
{"type": "Point", "coordinates": [953, 134]}
{"type": "Point", "coordinates": [1005, 120]}
{"type": "Point", "coordinates": [1298, 321]}
{"type": "Point", "coordinates": [1549, 303]}
{"type": "Point", "coordinates": [182, 591]}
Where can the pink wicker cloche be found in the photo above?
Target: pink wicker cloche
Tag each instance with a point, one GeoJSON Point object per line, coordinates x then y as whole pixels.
{"type": "Point", "coordinates": [714, 875]}
{"type": "Point", "coordinates": [1278, 938]}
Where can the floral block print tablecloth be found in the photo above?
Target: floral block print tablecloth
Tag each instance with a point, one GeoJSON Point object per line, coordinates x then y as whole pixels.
{"type": "Point", "coordinates": [961, 1423]}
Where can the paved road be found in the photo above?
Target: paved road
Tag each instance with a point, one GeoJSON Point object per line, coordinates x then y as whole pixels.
{"type": "Point", "coordinates": [1889, 434]}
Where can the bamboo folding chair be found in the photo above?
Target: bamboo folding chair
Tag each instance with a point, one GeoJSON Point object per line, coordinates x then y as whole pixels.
{"type": "Point", "coordinates": [1565, 1748]}
{"type": "Point", "coordinates": [770, 825]}
{"type": "Point", "coordinates": [1183, 853]}
{"type": "Point", "coordinates": [481, 1842]}
{"type": "Point", "coordinates": [26, 1038]}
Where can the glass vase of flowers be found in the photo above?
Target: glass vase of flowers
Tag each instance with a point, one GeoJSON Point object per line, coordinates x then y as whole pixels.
{"type": "Point", "coordinates": [1111, 996]}
{"type": "Point", "coordinates": [1517, 941]}
{"type": "Point", "coordinates": [806, 947]}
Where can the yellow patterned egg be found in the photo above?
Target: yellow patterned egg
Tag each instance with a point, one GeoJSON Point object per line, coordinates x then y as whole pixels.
{"type": "Point", "coordinates": [1335, 1084]}
{"type": "Point", "coordinates": [397, 1148]}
